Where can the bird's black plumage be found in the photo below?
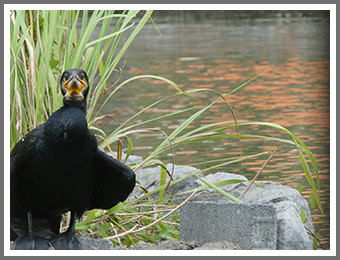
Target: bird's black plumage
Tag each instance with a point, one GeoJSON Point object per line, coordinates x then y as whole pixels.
{"type": "Point", "coordinates": [58, 167]}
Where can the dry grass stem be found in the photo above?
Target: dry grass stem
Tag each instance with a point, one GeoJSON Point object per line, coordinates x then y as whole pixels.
{"type": "Point", "coordinates": [259, 172]}
{"type": "Point", "coordinates": [132, 231]}
{"type": "Point", "coordinates": [143, 213]}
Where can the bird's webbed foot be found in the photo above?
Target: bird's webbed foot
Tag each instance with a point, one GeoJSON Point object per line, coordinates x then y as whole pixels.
{"type": "Point", "coordinates": [65, 241]}
{"type": "Point", "coordinates": [31, 242]}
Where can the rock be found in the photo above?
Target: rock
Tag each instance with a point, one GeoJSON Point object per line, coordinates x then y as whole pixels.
{"type": "Point", "coordinates": [291, 234]}
{"type": "Point", "coordinates": [220, 245]}
{"type": "Point", "coordinates": [181, 245]}
{"type": "Point", "coordinates": [132, 159]}
{"type": "Point", "coordinates": [211, 194]}
{"type": "Point", "coordinates": [166, 245]}
{"type": "Point", "coordinates": [220, 176]}
{"type": "Point", "coordinates": [12, 242]}
{"type": "Point", "coordinates": [88, 243]}
{"type": "Point", "coordinates": [102, 244]}
{"type": "Point", "coordinates": [149, 179]}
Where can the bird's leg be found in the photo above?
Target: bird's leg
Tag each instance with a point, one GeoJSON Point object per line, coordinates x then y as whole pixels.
{"type": "Point", "coordinates": [72, 227]}
{"type": "Point", "coordinates": [29, 223]}
{"type": "Point", "coordinates": [30, 241]}
{"type": "Point", "coordinates": [73, 243]}
{"type": "Point", "coordinates": [67, 240]}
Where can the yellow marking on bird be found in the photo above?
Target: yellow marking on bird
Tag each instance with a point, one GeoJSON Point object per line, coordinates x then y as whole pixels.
{"type": "Point", "coordinates": [74, 89]}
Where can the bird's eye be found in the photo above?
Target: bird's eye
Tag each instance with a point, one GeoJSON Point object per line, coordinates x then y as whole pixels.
{"type": "Point", "coordinates": [66, 76]}
{"type": "Point", "coordinates": [81, 76]}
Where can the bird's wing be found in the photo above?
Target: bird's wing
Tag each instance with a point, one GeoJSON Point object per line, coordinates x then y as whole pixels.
{"type": "Point", "coordinates": [114, 181]}
{"type": "Point", "coordinates": [21, 156]}
{"type": "Point", "coordinates": [24, 146]}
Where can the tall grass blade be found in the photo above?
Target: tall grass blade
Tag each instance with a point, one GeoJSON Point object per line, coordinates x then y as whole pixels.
{"type": "Point", "coordinates": [219, 190]}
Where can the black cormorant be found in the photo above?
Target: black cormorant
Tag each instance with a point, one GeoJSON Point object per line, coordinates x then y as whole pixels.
{"type": "Point", "coordinates": [57, 167]}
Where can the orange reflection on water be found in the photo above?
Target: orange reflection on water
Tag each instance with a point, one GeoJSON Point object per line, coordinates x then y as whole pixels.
{"type": "Point", "coordinates": [186, 152]}
{"type": "Point", "coordinates": [324, 177]}
{"type": "Point", "coordinates": [200, 79]}
{"type": "Point", "coordinates": [137, 148]}
{"type": "Point", "coordinates": [157, 81]}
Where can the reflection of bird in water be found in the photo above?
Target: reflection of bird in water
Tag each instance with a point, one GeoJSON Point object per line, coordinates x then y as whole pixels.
{"type": "Point", "coordinates": [58, 167]}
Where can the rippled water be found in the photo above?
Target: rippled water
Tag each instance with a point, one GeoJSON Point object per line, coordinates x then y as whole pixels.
{"type": "Point", "coordinates": [221, 52]}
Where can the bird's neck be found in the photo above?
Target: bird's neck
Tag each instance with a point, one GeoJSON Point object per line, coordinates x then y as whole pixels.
{"type": "Point", "coordinates": [82, 104]}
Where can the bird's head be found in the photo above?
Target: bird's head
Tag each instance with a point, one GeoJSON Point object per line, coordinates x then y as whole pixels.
{"type": "Point", "coordinates": [74, 84]}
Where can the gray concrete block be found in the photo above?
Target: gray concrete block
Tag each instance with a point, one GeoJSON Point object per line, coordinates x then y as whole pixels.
{"type": "Point", "coordinates": [251, 226]}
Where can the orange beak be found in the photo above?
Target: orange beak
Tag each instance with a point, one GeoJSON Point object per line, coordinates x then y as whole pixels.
{"type": "Point", "coordinates": [74, 85]}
